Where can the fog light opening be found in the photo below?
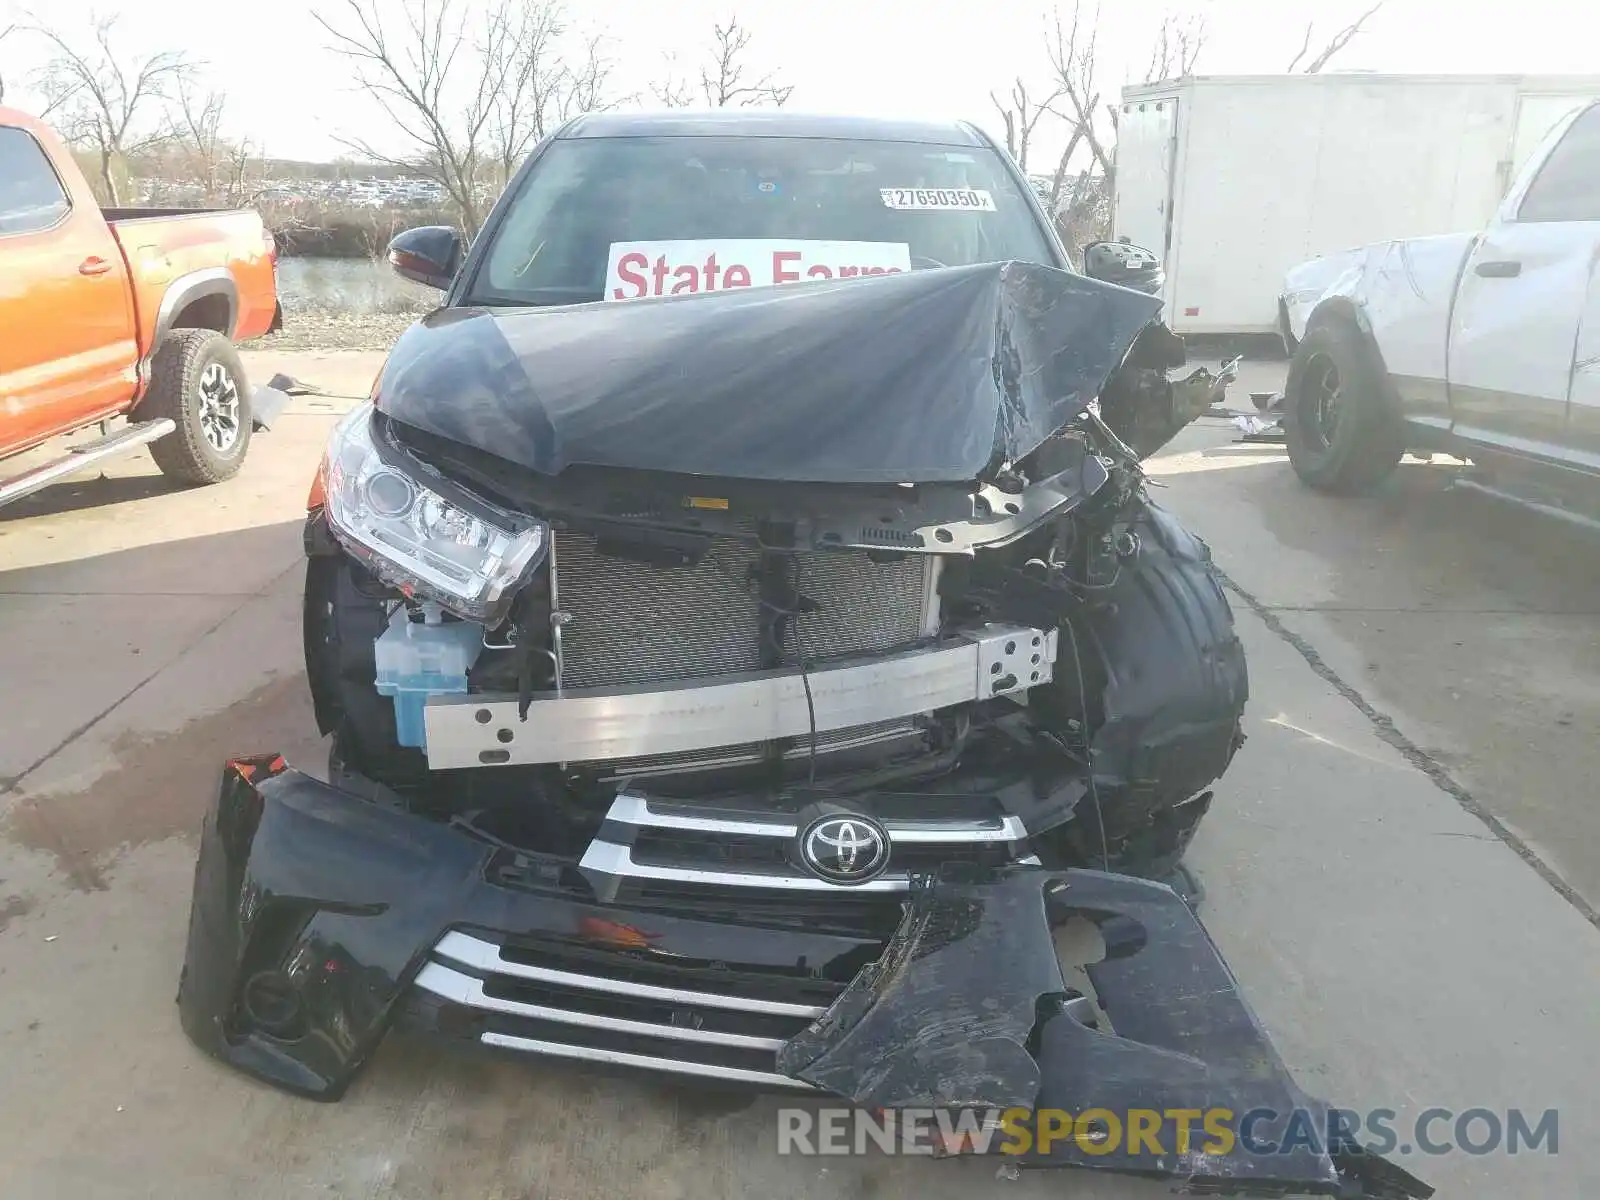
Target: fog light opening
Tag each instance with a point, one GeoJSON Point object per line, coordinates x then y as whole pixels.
{"type": "Point", "coordinates": [273, 1005]}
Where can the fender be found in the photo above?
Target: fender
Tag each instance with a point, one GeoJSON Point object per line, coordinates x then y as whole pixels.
{"type": "Point", "coordinates": [1342, 310]}
{"type": "Point", "coordinates": [1305, 285]}
{"type": "Point", "coordinates": [197, 285]}
{"type": "Point", "coordinates": [182, 292]}
{"type": "Point", "coordinates": [1401, 296]}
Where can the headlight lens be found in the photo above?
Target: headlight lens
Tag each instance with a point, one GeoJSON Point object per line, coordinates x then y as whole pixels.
{"type": "Point", "coordinates": [469, 555]}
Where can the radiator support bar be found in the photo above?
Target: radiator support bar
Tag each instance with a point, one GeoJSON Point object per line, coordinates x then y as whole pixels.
{"type": "Point", "coordinates": [596, 724]}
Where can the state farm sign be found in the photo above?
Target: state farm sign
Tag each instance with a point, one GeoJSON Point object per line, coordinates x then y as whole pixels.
{"type": "Point", "coordinates": [639, 269]}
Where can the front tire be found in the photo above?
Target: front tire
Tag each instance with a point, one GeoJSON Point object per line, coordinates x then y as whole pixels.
{"type": "Point", "coordinates": [1342, 430]}
{"type": "Point", "coordinates": [198, 381]}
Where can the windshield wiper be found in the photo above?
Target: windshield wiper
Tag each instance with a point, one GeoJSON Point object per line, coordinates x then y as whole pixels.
{"type": "Point", "coordinates": [537, 298]}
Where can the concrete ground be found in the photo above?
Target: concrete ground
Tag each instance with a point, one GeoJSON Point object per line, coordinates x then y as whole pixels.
{"type": "Point", "coordinates": [1400, 866]}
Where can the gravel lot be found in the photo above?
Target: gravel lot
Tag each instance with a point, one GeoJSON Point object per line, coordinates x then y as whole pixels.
{"type": "Point", "coordinates": [335, 329]}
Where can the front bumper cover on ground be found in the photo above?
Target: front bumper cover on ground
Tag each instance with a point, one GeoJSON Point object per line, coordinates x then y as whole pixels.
{"type": "Point", "coordinates": [315, 909]}
{"type": "Point", "coordinates": [968, 1009]}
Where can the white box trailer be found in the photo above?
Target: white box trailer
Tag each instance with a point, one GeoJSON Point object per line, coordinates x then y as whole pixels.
{"type": "Point", "coordinates": [1235, 179]}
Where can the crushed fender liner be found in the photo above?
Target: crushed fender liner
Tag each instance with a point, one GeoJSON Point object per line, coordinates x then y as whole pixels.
{"type": "Point", "coordinates": [968, 1008]}
{"type": "Point", "coordinates": [1163, 676]}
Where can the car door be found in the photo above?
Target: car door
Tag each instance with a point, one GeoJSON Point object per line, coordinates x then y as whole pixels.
{"type": "Point", "coordinates": [1522, 294]}
{"type": "Point", "coordinates": [68, 353]}
{"type": "Point", "coordinates": [1583, 407]}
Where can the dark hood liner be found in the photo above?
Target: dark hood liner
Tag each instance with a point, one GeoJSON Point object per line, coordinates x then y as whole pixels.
{"type": "Point", "coordinates": [929, 377]}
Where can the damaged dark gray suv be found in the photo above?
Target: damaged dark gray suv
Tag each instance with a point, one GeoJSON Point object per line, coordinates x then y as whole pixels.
{"type": "Point", "coordinates": [745, 638]}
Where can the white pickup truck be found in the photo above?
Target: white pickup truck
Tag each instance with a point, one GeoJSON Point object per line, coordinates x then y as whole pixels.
{"type": "Point", "coordinates": [1485, 345]}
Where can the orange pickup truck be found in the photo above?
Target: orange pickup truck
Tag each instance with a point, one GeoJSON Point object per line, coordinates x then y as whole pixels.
{"type": "Point", "coordinates": [108, 313]}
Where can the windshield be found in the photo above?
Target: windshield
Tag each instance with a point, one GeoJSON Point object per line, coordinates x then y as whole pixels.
{"type": "Point", "coordinates": [616, 218]}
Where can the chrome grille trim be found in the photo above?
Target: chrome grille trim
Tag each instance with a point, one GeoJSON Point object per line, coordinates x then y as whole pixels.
{"type": "Point", "coordinates": [616, 862]}
{"type": "Point", "coordinates": [702, 831]}
{"type": "Point", "coordinates": [464, 989]}
{"type": "Point", "coordinates": [630, 808]}
{"type": "Point", "coordinates": [646, 1062]}
{"type": "Point", "coordinates": [606, 858]}
{"type": "Point", "coordinates": [961, 833]}
{"type": "Point", "coordinates": [485, 956]}
{"type": "Point", "coordinates": [617, 1021]}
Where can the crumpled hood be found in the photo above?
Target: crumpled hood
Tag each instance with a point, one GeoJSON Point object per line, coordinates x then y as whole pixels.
{"type": "Point", "coordinates": [934, 376]}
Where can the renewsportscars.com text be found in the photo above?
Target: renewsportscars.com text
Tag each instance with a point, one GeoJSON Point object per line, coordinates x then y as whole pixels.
{"type": "Point", "coordinates": [1218, 1131]}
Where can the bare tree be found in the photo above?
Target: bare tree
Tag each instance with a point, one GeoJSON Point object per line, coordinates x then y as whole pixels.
{"type": "Point", "coordinates": [671, 91]}
{"type": "Point", "coordinates": [1334, 45]}
{"type": "Point", "coordinates": [4, 34]}
{"type": "Point", "coordinates": [723, 79]}
{"type": "Point", "coordinates": [469, 85]}
{"type": "Point", "coordinates": [416, 80]}
{"type": "Point", "coordinates": [585, 85]}
{"type": "Point", "coordinates": [198, 125]}
{"type": "Point", "coordinates": [1173, 55]}
{"type": "Point", "coordinates": [218, 165]}
{"type": "Point", "coordinates": [1177, 48]}
{"type": "Point", "coordinates": [724, 82]}
{"type": "Point", "coordinates": [1083, 210]}
{"type": "Point", "coordinates": [1079, 201]}
{"type": "Point", "coordinates": [1059, 178]}
{"type": "Point", "coordinates": [1072, 56]}
{"type": "Point", "coordinates": [1022, 114]}
{"type": "Point", "coordinates": [525, 48]}
{"type": "Point", "coordinates": [102, 93]}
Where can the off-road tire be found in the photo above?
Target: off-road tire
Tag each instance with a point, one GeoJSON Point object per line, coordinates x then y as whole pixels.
{"type": "Point", "coordinates": [181, 363]}
{"type": "Point", "coordinates": [1365, 441]}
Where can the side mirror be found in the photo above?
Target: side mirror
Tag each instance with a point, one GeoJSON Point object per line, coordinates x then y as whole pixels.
{"type": "Point", "coordinates": [1124, 264]}
{"type": "Point", "coordinates": [428, 255]}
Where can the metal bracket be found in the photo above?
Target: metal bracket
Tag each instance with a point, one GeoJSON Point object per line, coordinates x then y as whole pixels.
{"type": "Point", "coordinates": [1015, 660]}
{"type": "Point", "coordinates": [598, 724]}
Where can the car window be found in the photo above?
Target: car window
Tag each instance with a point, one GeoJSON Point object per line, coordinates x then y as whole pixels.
{"type": "Point", "coordinates": [31, 195]}
{"type": "Point", "coordinates": [935, 205]}
{"type": "Point", "coordinates": [1567, 187]}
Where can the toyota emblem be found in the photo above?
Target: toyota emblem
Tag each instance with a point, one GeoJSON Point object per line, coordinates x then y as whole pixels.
{"type": "Point", "coordinates": [845, 848]}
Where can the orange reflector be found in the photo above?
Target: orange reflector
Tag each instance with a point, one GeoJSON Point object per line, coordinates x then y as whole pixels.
{"type": "Point", "coordinates": [614, 934]}
{"type": "Point", "coordinates": [716, 502]}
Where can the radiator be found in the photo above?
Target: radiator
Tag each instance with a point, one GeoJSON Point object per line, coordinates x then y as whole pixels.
{"type": "Point", "coordinates": [637, 624]}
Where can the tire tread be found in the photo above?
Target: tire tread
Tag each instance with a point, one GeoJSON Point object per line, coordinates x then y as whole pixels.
{"type": "Point", "coordinates": [184, 455]}
{"type": "Point", "coordinates": [1368, 442]}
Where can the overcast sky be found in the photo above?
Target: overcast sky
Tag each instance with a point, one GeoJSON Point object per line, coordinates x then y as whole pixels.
{"type": "Point", "coordinates": [288, 92]}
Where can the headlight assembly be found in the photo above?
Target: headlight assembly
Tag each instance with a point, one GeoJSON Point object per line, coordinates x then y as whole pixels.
{"type": "Point", "coordinates": [469, 555]}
